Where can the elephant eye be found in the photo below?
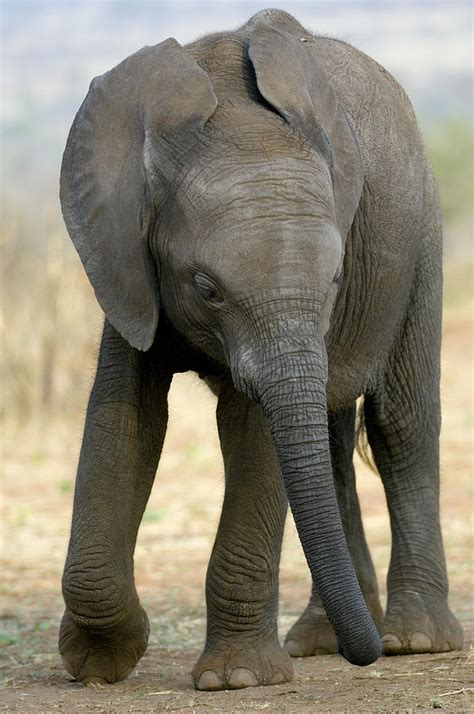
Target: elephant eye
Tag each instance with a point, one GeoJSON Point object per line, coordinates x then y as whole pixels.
{"type": "Point", "coordinates": [207, 290]}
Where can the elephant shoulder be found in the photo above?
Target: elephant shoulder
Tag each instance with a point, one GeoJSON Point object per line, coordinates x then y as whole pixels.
{"type": "Point", "coordinates": [383, 120]}
{"type": "Point", "coordinates": [361, 82]}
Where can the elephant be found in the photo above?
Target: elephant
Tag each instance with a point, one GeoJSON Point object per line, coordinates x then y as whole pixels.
{"type": "Point", "coordinates": [257, 207]}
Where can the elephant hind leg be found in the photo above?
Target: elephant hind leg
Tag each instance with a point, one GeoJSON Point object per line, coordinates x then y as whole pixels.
{"type": "Point", "coordinates": [313, 634]}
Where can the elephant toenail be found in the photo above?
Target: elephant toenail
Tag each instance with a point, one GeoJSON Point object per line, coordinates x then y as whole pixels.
{"type": "Point", "coordinates": [391, 644]}
{"type": "Point", "coordinates": [242, 677]}
{"type": "Point", "coordinates": [445, 647]}
{"type": "Point", "coordinates": [209, 681]}
{"type": "Point", "coordinates": [93, 681]}
{"type": "Point", "coordinates": [293, 648]}
{"type": "Point", "coordinates": [278, 678]}
{"type": "Point", "coordinates": [420, 643]}
{"type": "Point", "coordinates": [321, 651]}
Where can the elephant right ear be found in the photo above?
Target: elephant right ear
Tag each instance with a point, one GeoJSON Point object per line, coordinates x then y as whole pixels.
{"type": "Point", "coordinates": [154, 92]}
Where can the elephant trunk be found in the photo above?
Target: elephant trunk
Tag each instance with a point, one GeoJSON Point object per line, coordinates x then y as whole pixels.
{"type": "Point", "coordinates": [290, 384]}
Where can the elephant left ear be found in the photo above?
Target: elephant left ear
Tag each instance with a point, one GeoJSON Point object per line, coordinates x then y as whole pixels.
{"type": "Point", "coordinates": [290, 78]}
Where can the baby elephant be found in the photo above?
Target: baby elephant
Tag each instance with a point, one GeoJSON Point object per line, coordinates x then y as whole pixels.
{"type": "Point", "coordinates": [257, 207]}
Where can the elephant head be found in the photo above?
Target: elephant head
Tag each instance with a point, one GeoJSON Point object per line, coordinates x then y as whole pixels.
{"type": "Point", "coordinates": [225, 202]}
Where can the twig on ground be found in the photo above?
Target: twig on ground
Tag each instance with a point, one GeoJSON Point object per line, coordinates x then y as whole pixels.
{"type": "Point", "coordinates": [456, 691]}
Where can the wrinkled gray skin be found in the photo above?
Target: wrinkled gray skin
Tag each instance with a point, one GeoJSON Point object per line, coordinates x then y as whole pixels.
{"type": "Point", "coordinates": [257, 207]}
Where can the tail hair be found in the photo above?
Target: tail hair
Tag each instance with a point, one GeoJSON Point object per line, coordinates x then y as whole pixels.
{"type": "Point", "coordinates": [362, 441]}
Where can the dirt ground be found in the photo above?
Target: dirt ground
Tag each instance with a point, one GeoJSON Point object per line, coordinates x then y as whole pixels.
{"type": "Point", "coordinates": [171, 557]}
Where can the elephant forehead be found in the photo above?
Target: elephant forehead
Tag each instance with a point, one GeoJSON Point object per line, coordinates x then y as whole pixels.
{"type": "Point", "coordinates": [244, 186]}
{"type": "Point", "coordinates": [263, 255]}
{"type": "Point", "coordinates": [276, 253]}
{"type": "Point", "coordinates": [254, 222]}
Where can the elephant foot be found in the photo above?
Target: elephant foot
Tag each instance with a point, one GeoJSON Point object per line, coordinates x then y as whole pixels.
{"type": "Point", "coordinates": [103, 656]}
{"type": "Point", "coordinates": [312, 634]}
{"type": "Point", "coordinates": [236, 665]}
{"type": "Point", "coordinates": [415, 624]}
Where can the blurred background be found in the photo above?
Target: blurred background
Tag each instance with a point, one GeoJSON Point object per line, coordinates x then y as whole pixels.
{"type": "Point", "coordinates": [50, 52]}
{"type": "Point", "coordinates": [50, 323]}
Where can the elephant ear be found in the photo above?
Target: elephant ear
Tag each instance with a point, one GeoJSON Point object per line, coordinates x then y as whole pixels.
{"type": "Point", "coordinates": [290, 78]}
{"type": "Point", "coordinates": [103, 188]}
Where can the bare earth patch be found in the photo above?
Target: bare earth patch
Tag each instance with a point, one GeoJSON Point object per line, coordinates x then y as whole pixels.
{"type": "Point", "coordinates": [172, 553]}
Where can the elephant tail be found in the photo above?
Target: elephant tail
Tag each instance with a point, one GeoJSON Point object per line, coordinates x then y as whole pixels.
{"type": "Point", "coordinates": [362, 441]}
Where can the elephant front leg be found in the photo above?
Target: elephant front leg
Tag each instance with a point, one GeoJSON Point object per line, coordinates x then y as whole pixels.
{"type": "Point", "coordinates": [104, 630]}
{"type": "Point", "coordinates": [242, 648]}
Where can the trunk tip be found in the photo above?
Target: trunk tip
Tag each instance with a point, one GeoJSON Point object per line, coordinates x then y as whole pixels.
{"type": "Point", "coordinates": [365, 655]}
